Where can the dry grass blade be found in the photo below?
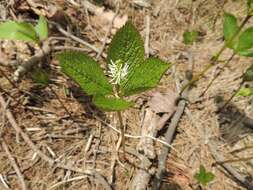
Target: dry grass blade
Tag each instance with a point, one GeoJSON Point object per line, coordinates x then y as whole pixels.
{"type": "Point", "coordinates": [14, 165]}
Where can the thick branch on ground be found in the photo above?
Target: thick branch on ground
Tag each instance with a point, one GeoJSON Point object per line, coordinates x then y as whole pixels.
{"type": "Point", "coordinates": [169, 135]}
{"type": "Point", "coordinates": [146, 147]}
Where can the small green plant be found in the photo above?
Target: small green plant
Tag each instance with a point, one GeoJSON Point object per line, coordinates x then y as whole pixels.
{"type": "Point", "coordinates": [190, 37]}
{"type": "Point", "coordinates": [11, 30]}
{"type": "Point", "coordinates": [240, 41]}
{"type": "Point", "coordinates": [129, 72]}
{"type": "Point", "coordinates": [204, 177]}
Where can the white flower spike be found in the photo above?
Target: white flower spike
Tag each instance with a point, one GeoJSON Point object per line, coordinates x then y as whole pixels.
{"type": "Point", "coordinates": [118, 71]}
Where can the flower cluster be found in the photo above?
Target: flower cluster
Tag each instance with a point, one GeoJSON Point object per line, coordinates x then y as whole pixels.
{"type": "Point", "coordinates": [118, 71]}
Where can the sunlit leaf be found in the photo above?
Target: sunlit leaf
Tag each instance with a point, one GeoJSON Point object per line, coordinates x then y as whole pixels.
{"type": "Point", "coordinates": [11, 30]}
{"type": "Point", "coordinates": [144, 77]}
{"type": "Point", "coordinates": [41, 28]}
{"type": "Point", "coordinates": [230, 27]}
{"type": "Point", "coordinates": [86, 72]}
{"type": "Point", "coordinates": [127, 46]}
{"type": "Point", "coordinates": [245, 40]}
{"type": "Point", "coordinates": [245, 92]}
{"type": "Point", "coordinates": [204, 177]}
{"type": "Point", "coordinates": [111, 104]}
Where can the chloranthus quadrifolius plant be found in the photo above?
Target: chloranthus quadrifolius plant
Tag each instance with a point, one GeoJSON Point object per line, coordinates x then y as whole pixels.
{"type": "Point", "coordinates": [128, 72]}
{"type": "Point", "coordinates": [24, 31]}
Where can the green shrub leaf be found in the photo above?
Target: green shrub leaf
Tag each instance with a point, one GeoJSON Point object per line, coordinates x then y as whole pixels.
{"type": "Point", "coordinates": [111, 104]}
{"type": "Point", "coordinates": [204, 177]}
{"type": "Point", "coordinates": [250, 7]}
{"type": "Point", "coordinates": [229, 28]}
{"type": "Point", "coordinates": [144, 77]}
{"type": "Point", "coordinates": [245, 40]}
{"type": "Point", "coordinates": [190, 37]}
{"type": "Point", "coordinates": [245, 92]}
{"type": "Point", "coordinates": [248, 75]}
{"type": "Point", "coordinates": [127, 46]}
{"type": "Point", "coordinates": [86, 72]}
{"type": "Point", "coordinates": [41, 28]}
{"type": "Point", "coordinates": [11, 30]}
{"type": "Point", "coordinates": [246, 53]}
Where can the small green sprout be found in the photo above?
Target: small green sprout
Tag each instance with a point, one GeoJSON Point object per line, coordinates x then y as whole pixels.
{"type": "Point", "coordinates": [245, 92]}
{"type": "Point", "coordinates": [204, 177]}
{"type": "Point", "coordinates": [190, 37]}
{"type": "Point", "coordinates": [11, 30]}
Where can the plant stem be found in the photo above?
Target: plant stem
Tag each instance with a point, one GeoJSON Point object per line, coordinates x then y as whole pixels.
{"type": "Point", "coordinates": [215, 59]}
{"type": "Point", "coordinates": [229, 100]}
{"type": "Point", "coordinates": [218, 74]}
{"type": "Point", "coordinates": [122, 131]}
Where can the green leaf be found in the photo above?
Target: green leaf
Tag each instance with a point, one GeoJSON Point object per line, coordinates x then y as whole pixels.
{"type": "Point", "coordinates": [204, 177]}
{"type": "Point", "coordinates": [11, 30]}
{"type": "Point", "coordinates": [190, 37]}
{"type": "Point", "coordinates": [248, 75]}
{"type": "Point", "coordinates": [111, 104]}
{"type": "Point", "coordinates": [246, 53]}
{"type": "Point", "coordinates": [127, 46]}
{"type": "Point", "coordinates": [245, 92]}
{"type": "Point", "coordinates": [40, 77]}
{"type": "Point", "coordinates": [86, 72]}
{"type": "Point", "coordinates": [250, 7]}
{"type": "Point", "coordinates": [41, 28]}
{"type": "Point", "coordinates": [144, 77]}
{"type": "Point", "coordinates": [245, 40]}
{"type": "Point", "coordinates": [230, 27]}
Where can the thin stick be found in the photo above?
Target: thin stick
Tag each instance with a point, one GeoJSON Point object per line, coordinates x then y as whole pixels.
{"type": "Point", "coordinates": [162, 157]}
{"type": "Point", "coordinates": [234, 160]}
{"type": "Point", "coordinates": [9, 80]}
{"type": "Point", "coordinates": [14, 165]}
{"type": "Point", "coordinates": [108, 32]}
{"type": "Point", "coordinates": [231, 98]}
{"type": "Point", "coordinates": [217, 74]}
{"type": "Point", "coordinates": [122, 129]}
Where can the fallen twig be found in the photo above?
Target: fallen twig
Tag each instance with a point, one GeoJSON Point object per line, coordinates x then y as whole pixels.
{"type": "Point", "coordinates": [162, 157]}
{"type": "Point", "coordinates": [42, 53]}
{"type": "Point", "coordinates": [14, 165]}
{"type": "Point", "coordinates": [242, 180]}
{"type": "Point", "coordinates": [146, 146]}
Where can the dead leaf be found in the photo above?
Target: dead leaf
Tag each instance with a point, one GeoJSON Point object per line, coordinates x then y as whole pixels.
{"type": "Point", "coordinates": [163, 102]}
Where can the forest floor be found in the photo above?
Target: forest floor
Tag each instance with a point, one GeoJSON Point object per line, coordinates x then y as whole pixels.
{"type": "Point", "coordinates": [83, 146]}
